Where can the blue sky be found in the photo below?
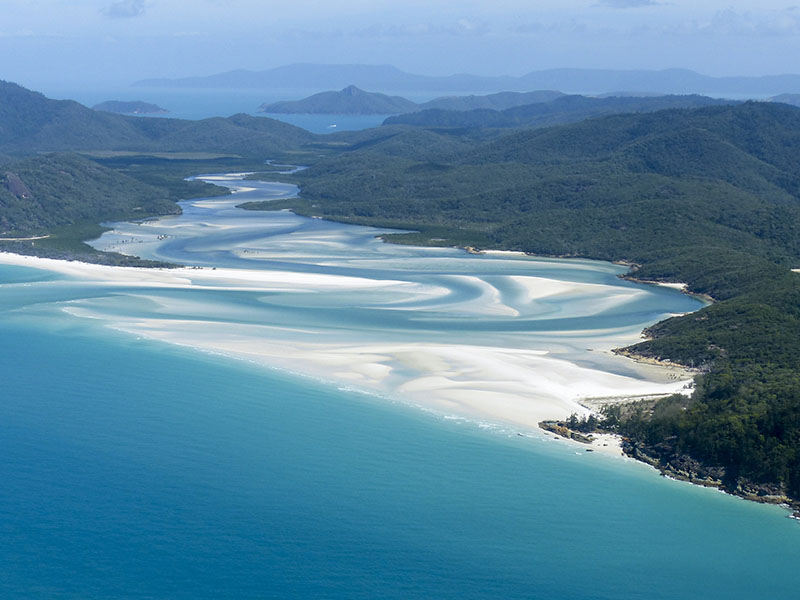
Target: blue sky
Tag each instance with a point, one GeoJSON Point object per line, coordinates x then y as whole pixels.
{"type": "Point", "coordinates": [119, 41]}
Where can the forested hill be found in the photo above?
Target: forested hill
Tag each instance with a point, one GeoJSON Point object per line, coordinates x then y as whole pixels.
{"type": "Point", "coordinates": [40, 193]}
{"type": "Point", "coordinates": [130, 107]}
{"type": "Point", "coordinates": [61, 198]}
{"type": "Point", "coordinates": [621, 187]}
{"type": "Point", "coordinates": [352, 100]}
{"type": "Point", "coordinates": [349, 101]}
{"type": "Point", "coordinates": [707, 196]}
{"type": "Point", "coordinates": [31, 122]}
{"type": "Point", "coordinates": [561, 110]}
{"type": "Point", "coordinates": [498, 101]}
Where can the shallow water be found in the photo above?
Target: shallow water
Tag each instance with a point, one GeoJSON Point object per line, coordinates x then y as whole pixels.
{"type": "Point", "coordinates": [435, 326]}
{"type": "Point", "coordinates": [137, 469]}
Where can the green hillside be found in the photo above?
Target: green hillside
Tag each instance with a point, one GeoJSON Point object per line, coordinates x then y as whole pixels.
{"type": "Point", "coordinates": [708, 196]}
{"type": "Point", "coordinates": [349, 101]}
{"type": "Point", "coordinates": [498, 101]}
{"type": "Point", "coordinates": [40, 193]}
{"type": "Point", "coordinates": [561, 110]}
{"type": "Point", "coordinates": [138, 166]}
{"type": "Point", "coordinates": [130, 107]}
{"type": "Point", "coordinates": [30, 123]}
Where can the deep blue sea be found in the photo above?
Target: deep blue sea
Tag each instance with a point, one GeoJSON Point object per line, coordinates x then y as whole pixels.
{"type": "Point", "coordinates": [133, 468]}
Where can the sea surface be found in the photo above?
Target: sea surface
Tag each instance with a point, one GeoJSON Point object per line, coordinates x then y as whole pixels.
{"type": "Point", "coordinates": [203, 103]}
{"type": "Point", "coordinates": [135, 468]}
{"type": "Point", "coordinates": [193, 104]}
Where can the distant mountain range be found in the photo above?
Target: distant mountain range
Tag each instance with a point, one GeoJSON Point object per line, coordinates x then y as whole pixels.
{"type": "Point", "coordinates": [565, 109]}
{"type": "Point", "coordinates": [355, 101]}
{"type": "Point", "coordinates": [386, 77]}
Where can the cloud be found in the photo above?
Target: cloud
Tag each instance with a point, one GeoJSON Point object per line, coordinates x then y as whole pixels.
{"type": "Point", "coordinates": [569, 26]}
{"type": "Point", "coordinates": [124, 9]}
{"type": "Point", "coordinates": [24, 33]}
{"type": "Point", "coordinates": [459, 28]}
{"type": "Point", "coordinates": [626, 3]}
{"type": "Point", "coordinates": [747, 24]}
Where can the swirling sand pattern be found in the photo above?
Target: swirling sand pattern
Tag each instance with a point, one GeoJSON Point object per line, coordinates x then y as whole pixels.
{"type": "Point", "coordinates": [499, 336]}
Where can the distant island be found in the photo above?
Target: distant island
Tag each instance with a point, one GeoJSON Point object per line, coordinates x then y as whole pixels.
{"type": "Point", "coordinates": [349, 101]}
{"type": "Point", "coordinates": [130, 107]}
{"type": "Point", "coordinates": [355, 101]}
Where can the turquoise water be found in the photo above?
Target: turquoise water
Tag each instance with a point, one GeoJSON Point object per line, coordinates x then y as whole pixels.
{"type": "Point", "coordinates": [132, 468]}
{"type": "Point", "coordinates": [497, 337]}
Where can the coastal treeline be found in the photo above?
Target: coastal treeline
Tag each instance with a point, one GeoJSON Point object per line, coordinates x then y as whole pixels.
{"type": "Point", "coordinates": [107, 167]}
{"type": "Point", "coordinates": [709, 196]}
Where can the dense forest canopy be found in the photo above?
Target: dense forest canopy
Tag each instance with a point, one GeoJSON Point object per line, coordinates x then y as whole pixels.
{"type": "Point", "coordinates": [707, 196]}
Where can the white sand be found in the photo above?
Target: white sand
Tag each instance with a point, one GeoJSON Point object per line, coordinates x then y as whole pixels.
{"type": "Point", "coordinates": [518, 387]}
{"type": "Point", "coordinates": [674, 286]}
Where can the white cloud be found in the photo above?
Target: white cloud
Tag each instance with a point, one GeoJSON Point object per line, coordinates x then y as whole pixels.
{"type": "Point", "coordinates": [24, 33]}
{"type": "Point", "coordinates": [461, 28]}
{"type": "Point", "coordinates": [746, 24]}
{"type": "Point", "coordinates": [627, 3]}
{"type": "Point", "coordinates": [125, 9]}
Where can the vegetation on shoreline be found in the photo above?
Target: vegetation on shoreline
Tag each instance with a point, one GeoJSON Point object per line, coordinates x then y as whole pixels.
{"type": "Point", "coordinates": [129, 168]}
{"type": "Point", "coordinates": [638, 423]}
{"type": "Point", "coordinates": [708, 197]}
{"type": "Point", "coordinates": [61, 198]}
{"type": "Point", "coordinates": [46, 192]}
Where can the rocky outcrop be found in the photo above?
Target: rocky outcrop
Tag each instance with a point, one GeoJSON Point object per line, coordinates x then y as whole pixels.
{"type": "Point", "coordinates": [560, 428]}
{"type": "Point", "coordinates": [16, 186]}
{"type": "Point", "coordinates": [686, 468]}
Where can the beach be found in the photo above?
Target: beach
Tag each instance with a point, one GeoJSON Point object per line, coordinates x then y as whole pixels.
{"type": "Point", "coordinates": [502, 339]}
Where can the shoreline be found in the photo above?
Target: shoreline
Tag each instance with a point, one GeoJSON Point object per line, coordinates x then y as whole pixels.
{"type": "Point", "coordinates": [647, 360]}
{"type": "Point", "coordinates": [744, 490]}
{"type": "Point", "coordinates": [484, 383]}
{"type": "Point", "coordinates": [470, 405]}
{"type": "Point", "coordinates": [680, 468]}
{"type": "Point", "coordinates": [452, 396]}
{"type": "Point", "coordinates": [480, 382]}
{"type": "Point", "coordinates": [683, 287]}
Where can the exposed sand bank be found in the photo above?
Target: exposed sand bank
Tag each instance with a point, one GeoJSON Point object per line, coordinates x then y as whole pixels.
{"type": "Point", "coordinates": [513, 386]}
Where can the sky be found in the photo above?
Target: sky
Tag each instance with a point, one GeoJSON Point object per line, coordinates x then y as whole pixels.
{"type": "Point", "coordinates": [116, 42]}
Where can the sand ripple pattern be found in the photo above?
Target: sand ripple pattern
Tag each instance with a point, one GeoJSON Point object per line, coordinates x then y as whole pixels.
{"type": "Point", "coordinates": [500, 337]}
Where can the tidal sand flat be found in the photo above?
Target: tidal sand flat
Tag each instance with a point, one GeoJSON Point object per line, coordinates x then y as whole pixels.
{"type": "Point", "coordinates": [499, 337]}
